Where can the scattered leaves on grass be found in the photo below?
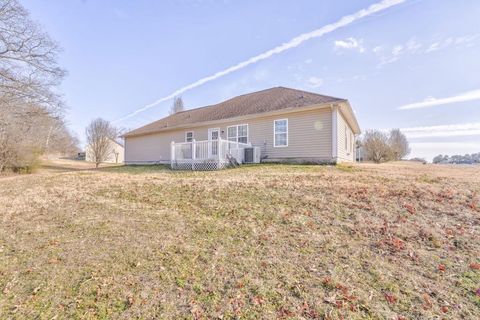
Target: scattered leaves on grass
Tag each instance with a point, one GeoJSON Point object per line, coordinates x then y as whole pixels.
{"type": "Point", "coordinates": [284, 313]}
{"type": "Point", "coordinates": [410, 208]}
{"type": "Point", "coordinates": [309, 312]}
{"type": "Point", "coordinates": [257, 300]}
{"type": "Point", "coordinates": [394, 244]}
{"type": "Point", "coordinates": [475, 266]}
{"type": "Point", "coordinates": [390, 297]}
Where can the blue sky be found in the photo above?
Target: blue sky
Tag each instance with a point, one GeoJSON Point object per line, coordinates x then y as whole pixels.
{"type": "Point", "coordinates": [414, 65]}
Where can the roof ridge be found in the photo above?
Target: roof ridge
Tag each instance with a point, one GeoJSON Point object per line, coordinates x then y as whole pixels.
{"type": "Point", "coordinates": [235, 97]}
{"type": "Point", "coordinates": [309, 92]}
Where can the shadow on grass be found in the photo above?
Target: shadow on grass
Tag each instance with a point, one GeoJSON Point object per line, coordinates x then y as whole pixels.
{"type": "Point", "coordinates": [136, 169]}
{"type": "Point", "coordinates": [162, 168]}
{"type": "Point", "coordinates": [59, 168]}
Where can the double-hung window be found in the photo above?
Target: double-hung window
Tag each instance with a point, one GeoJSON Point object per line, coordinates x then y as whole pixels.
{"type": "Point", "coordinates": [238, 133]}
{"type": "Point", "coordinates": [280, 133]}
{"type": "Point", "coordinates": [189, 136]}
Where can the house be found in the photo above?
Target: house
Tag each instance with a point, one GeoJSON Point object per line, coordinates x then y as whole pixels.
{"type": "Point", "coordinates": [80, 156]}
{"type": "Point", "coordinates": [116, 154]}
{"type": "Point", "coordinates": [281, 124]}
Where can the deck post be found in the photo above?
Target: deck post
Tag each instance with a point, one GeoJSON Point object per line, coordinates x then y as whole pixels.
{"type": "Point", "coordinates": [219, 149]}
{"type": "Point", "coordinates": [194, 153]}
{"type": "Point", "coordinates": [194, 149]}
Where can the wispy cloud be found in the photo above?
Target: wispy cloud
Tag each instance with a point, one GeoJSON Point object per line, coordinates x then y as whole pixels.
{"type": "Point", "coordinates": [449, 130]}
{"type": "Point", "coordinates": [315, 82]}
{"type": "Point", "coordinates": [430, 102]}
{"type": "Point", "coordinates": [467, 40]}
{"type": "Point", "coordinates": [293, 43]}
{"type": "Point", "coordinates": [414, 46]}
{"type": "Point", "coordinates": [350, 43]}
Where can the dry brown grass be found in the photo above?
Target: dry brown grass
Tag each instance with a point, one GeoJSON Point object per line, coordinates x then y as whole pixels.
{"type": "Point", "coordinates": [393, 241]}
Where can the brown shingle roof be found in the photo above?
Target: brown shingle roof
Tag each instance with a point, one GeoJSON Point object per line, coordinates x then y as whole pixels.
{"type": "Point", "coordinates": [248, 104]}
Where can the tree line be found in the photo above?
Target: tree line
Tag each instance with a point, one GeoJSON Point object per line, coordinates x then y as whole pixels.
{"type": "Point", "coordinates": [458, 159]}
{"type": "Point", "coordinates": [31, 108]}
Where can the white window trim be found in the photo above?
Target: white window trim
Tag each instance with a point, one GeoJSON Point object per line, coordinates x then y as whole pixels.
{"type": "Point", "coordinates": [193, 135]}
{"type": "Point", "coordinates": [248, 133]}
{"type": "Point", "coordinates": [236, 131]}
{"type": "Point", "coordinates": [274, 141]}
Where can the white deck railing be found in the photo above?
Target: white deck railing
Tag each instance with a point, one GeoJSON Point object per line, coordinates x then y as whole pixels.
{"type": "Point", "coordinates": [205, 155]}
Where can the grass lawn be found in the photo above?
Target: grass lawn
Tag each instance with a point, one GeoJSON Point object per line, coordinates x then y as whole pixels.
{"type": "Point", "coordinates": [391, 241]}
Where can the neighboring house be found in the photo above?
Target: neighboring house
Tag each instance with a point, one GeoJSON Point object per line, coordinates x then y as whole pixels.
{"type": "Point", "coordinates": [117, 154]}
{"type": "Point", "coordinates": [286, 125]}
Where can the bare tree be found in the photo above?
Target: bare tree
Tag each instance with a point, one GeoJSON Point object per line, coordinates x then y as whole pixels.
{"type": "Point", "coordinates": [398, 143]}
{"type": "Point", "coordinates": [376, 147]}
{"type": "Point", "coordinates": [28, 58]}
{"type": "Point", "coordinates": [100, 136]}
{"type": "Point", "coordinates": [177, 105]}
{"type": "Point", "coordinates": [30, 106]}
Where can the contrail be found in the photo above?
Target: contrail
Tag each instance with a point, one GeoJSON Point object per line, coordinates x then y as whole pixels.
{"type": "Point", "coordinates": [293, 43]}
{"type": "Point", "coordinates": [430, 102]}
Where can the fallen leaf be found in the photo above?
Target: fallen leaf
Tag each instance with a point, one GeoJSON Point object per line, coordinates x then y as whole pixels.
{"type": "Point", "coordinates": [427, 302]}
{"type": "Point", "coordinates": [391, 299]}
{"type": "Point", "coordinates": [257, 300]}
{"type": "Point", "coordinates": [441, 267]}
{"type": "Point", "coordinates": [410, 208]}
{"type": "Point", "coordinates": [475, 266]}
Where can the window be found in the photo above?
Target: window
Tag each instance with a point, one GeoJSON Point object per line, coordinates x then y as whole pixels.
{"type": "Point", "coordinates": [189, 136]}
{"type": "Point", "coordinates": [280, 132]}
{"type": "Point", "coordinates": [242, 131]}
{"type": "Point", "coordinates": [238, 133]}
{"type": "Point", "coordinates": [232, 133]}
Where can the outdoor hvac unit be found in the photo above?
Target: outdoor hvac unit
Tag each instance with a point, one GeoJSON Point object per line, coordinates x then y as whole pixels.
{"type": "Point", "coordinates": [252, 155]}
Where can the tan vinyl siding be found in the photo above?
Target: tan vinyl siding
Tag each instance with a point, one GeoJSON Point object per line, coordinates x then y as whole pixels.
{"type": "Point", "coordinates": [345, 138]}
{"type": "Point", "coordinates": [309, 138]}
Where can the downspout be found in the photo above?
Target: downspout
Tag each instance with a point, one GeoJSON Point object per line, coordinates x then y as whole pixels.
{"type": "Point", "coordinates": [334, 109]}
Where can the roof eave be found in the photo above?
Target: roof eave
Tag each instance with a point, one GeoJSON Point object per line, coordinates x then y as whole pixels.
{"type": "Point", "coordinates": [352, 118]}
{"type": "Point", "coordinates": [250, 116]}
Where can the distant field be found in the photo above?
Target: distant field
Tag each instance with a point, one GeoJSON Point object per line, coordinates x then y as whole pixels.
{"type": "Point", "coordinates": [390, 241]}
